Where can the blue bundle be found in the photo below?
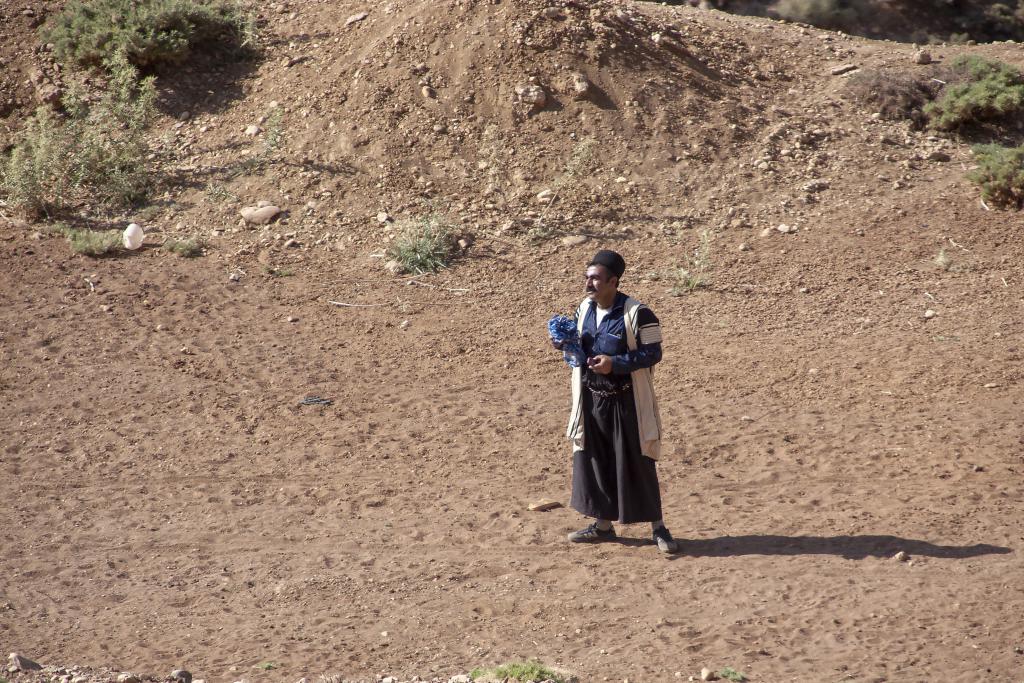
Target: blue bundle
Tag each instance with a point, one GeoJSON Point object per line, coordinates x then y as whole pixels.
{"type": "Point", "coordinates": [563, 331]}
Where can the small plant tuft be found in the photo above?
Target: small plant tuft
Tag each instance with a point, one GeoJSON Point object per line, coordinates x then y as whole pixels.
{"type": "Point", "coordinates": [942, 260]}
{"type": "Point", "coordinates": [189, 248]}
{"type": "Point", "coordinates": [91, 242]}
{"type": "Point", "coordinates": [986, 90]}
{"type": "Point", "coordinates": [150, 32]}
{"type": "Point", "coordinates": [425, 245]}
{"type": "Point", "coordinates": [518, 671]}
{"type": "Point", "coordinates": [894, 94]}
{"type": "Point", "coordinates": [693, 274]}
{"type": "Point", "coordinates": [730, 674]}
{"type": "Point", "coordinates": [1000, 173]}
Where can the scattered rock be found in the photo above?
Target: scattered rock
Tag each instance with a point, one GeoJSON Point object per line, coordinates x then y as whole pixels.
{"type": "Point", "coordinates": [545, 196]}
{"type": "Point", "coordinates": [766, 232]}
{"type": "Point", "coordinates": [532, 95]}
{"type": "Point", "coordinates": [544, 506]}
{"type": "Point", "coordinates": [816, 185]}
{"type": "Point", "coordinates": [181, 676]}
{"type": "Point", "coordinates": [574, 240]}
{"type": "Point", "coordinates": [260, 215]}
{"type": "Point", "coordinates": [991, 385]}
{"type": "Point", "coordinates": [128, 678]}
{"type": "Point", "coordinates": [292, 243]}
{"type": "Point", "coordinates": [929, 314]}
{"type": "Point", "coordinates": [49, 94]}
{"type": "Point", "coordinates": [786, 229]}
{"type": "Point", "coordinates": [356, 18]}
{"type": "Point", "coordinates": [394, 267]}
{"type": "Point", "coordinates": [465, 243]}
{"type": "Point", "coordinates": [844, 69]}
{"type": "Point", "coordinates": [707, 674]}
{"type": "Point", "coordinates": [252, 131]}
{"type": "Point", "coordinates": [384, 217]}
{"type": "Point", "coordinates": [19, 662]}
{"type": "Point", "coordinates": [922, 57]}
{"type": "Point", "coordinates": [292, 319]}
{"type": "Point", "coordinates": [461, 678]}
{"type": "Point", "coordinates": [900, 556]}
{"type": "Point", "coordinates": [978, 468]}
{"type": "Point", "coordinates": [938, 156]}
{"type": "Point", "coordinates": [404, 324]}
{"type": "Point", "coordinates": [580, 84]}
{"type": "Point", "coordinates": [553, 13]}
{"type": "Point", "coordinates": [428, 92]}
{"type": "Point", "coordinates": [744, 246]}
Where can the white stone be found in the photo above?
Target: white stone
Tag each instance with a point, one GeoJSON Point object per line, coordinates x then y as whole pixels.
{"type": "Point", "coordinates": [383, 217]}
{"type": "Point", "coordinates": [929, 314]}
{"type": "Point", "coordinates": [259, 215]}
{"type": "Point", "coordinates": [252, 131]}
{"type": "Point", "coordinates": [532, 95]}
{"type": "Point", "coordinates": [133, 237]}
{"type": "Point", "coordinates": [394, 267]}
{"type": "Point", "coordinates": [356, 18]}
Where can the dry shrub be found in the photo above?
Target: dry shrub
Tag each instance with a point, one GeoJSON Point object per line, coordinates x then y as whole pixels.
{"type": "Point", "coordinates": [896, 94]}
{"type": "Point", "coordinates": [1000, 174]}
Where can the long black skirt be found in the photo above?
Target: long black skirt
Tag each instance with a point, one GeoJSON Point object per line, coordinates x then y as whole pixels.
{"type": "Point", "coordinates": [611, 478]}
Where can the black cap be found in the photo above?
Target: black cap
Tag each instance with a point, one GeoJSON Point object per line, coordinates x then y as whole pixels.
{"type": "Point", "coordinates": [610, 260]}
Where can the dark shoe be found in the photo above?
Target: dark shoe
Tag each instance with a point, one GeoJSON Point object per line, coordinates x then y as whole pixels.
{"type": "Point", "coordinates": [592, 534]}
{"type": "Point", "coordinates": [663, 538]}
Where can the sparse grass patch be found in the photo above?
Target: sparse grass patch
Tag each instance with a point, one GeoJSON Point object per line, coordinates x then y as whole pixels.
{"type": "Point", "coordinates": [518, 671]}
{"type": "Point", "coordinates": [92, 242]}
{"type": "Point", "coordinates": [986, 90]}
{"type": "Point", "coordinates": [425, 245]}
{"type": "Point", "coordinates": [97, 151]}
{"type": "Point", "coordinates": [279, 272]}
{"type": "Point", "coordinates": [150, 32]}
{"type": "Point", "coordinates": [942, 260]}
{"type": "Point", "coordinates": [189, 248]}
{"type": "Point", "coordinates": [266, 666]}
{"type": "Point", "coordinates": [1000, 174]}
{"type": "Point", "coordinates": [693, 274]}
{"type": "Point", "coordinates": [730, 674]}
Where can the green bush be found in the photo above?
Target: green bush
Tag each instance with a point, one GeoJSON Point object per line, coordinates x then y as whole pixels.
{"type": "Point", "coordinates": [149, 32]}
{"type": "Point", "coordinates": [1000, 174]}
{"type": "Point", "coordinates": [89, 242]}
{"type": "Point", "coordinates": [424, 245]}
{"type": "Point", "coordinates": [518, 671]}
{"type": "Point", "coordinates": [986, 90]}
{"type": "Point", "coordinates": [98, 149]}
{"type": "Point", "coordinates": [834, 14]}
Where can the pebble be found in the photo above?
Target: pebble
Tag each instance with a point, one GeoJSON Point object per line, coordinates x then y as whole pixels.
{"type": "Point", "coordinates": [707, 674]}
{"type": "Point", "coordinates": [465, 243]}
{"type": "Point", "coordinates": [922, 57]}
{"type": "Point", "coordinates": [428, 92]}
{"type": "Point", "coordinates": [574, 240]}
{"type": "Point", "coordinates": [929, 314]}
{"type": "Point", "coordinates": [785, 229]}
{"type": "Point", "coordinates": [252, 131]}
{"type": "Point", "coordinates": [234, 277]}
{"type": "Point", "coordinates": [844, 69]}
{"type": "Point", "coordinates": [404, 324]}
{"type": "Point", "coordinates": [128, 678]}
{"type": "Point", "coordinates": [292, 244]}
{"type": "Point", "coordinates": [532, 95]}
{"type": "Point", "coordinates": [900, 556]}
{"type": "Point", "coordinates": [182, 676]}
{"type": "Point", "coordinates": [356, 18]}
{"type": "Point", "coordinates": [545, 196]}
{"type": "Point", "coordinates": [766, 232]}
{"type": "Point", "coordinates": [394, 267]}
{"type": "Point", "coordinates": [259, 215]}
{"type": "Point", "coordinates": [384, 217]}
{"type": "Point", "coordinates": [991, 385]}
{"type": "Point", "coordinates": [939, 156]}
{"type": "Point", "coordinates": [580, 84]}
{"type": "Point", "coordinates": [293, 319]}
{"type": "Point", "coordinates": [744, 246]}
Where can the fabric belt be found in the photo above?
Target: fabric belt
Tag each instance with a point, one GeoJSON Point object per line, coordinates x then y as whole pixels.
{"type": "Point", "coordinates": [614, 392]}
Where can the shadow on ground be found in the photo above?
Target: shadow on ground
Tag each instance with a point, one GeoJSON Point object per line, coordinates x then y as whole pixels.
{"type": "Point", "coordinates": [849, 547]}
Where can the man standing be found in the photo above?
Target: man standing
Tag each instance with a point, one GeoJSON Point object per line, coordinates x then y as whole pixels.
{"type": "Point", "coordinates": [614, 424]}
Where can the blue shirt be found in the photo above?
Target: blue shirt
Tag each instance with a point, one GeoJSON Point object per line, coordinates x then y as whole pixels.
{"type": "Point", "coordinates": [609, 339]}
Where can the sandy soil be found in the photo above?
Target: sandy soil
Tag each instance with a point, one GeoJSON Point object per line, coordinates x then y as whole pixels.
{"type": "Point", "coordinates": [168, 503]}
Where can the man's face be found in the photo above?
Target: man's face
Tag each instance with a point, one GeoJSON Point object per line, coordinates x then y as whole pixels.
{"type": "Point", "coordinates": [600, 282]}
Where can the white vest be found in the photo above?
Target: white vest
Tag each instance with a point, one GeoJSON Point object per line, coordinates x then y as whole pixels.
{"type": "Point", "coordinates": [648, 419]}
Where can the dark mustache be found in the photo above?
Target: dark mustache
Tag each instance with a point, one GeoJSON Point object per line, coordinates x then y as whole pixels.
{"type": "Point", "coordinates": [591, 289]}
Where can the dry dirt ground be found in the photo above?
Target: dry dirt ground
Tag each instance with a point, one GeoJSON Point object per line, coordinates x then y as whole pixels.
{"type": "Point", "coordinates": [166, 501]}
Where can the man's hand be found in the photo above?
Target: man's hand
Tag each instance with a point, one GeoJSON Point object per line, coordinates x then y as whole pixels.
{"type": "Point", "coordinates": [602, 365]}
